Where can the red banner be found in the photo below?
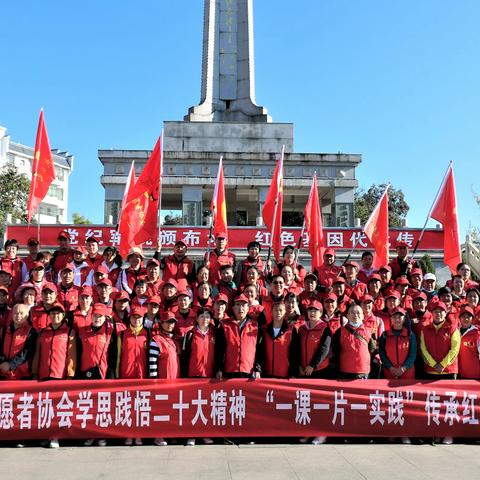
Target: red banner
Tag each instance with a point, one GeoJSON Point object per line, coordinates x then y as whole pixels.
{"type": "Point", "coordinates": [197, 237]}
{"type": "Point", "coordinates": [236, 408]}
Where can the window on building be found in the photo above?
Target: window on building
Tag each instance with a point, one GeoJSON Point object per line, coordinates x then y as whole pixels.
{"type": "Point", "coordinates": [60, 173]}
{"type": "Point", "coordinates": [343, 214]}
{"type": "Point", "coordinates": [50, 210]}
{"type": "Point", "coordinates": [56, 192]}
{"type": "Point", "coordinates": [192, 213]}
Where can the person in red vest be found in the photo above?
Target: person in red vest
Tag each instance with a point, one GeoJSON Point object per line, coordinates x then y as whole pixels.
{"type": "Point", "coordinates": [67, 291]}
{"type": "Point", "coordinates": [219, 310]}
{"type": "Point", "coordinates": [153, 279]}
{"type": "Point", "coordinates": [128, 276]}
{"type": "Point", "coordinates": [33, 247]}
{"type": "Point", "coordinates": [62, 255]}
{"type": "Point", "coordinates": [198, 353]}
{"type": "Point", "coordinates": [401, 265]}
{"type": "Point", "coordinates": [237, 340]}
{"type": "Point", "coordinates": [56, 352]}
{"type": "Point", "coordinates": [328, 271]}
{"type": "Point", "coordinates": [294, 318]}
{"type": "Point", "coordinates": [353, 345]}
{"type": "Point", "coordinates": [343, 300]}
{"type": "Point", "coordinates": [277, 294]}
{"type": "Point", "coordinates": [177, 266]}
{"type": "Point", "coordinates": [17, 345]}
{"type": "Point", "coordinates": [164, 354]}
{"type": "Point", "coordinates": [291, 285]}
{"type": "Point", "coordinates": [416, 280]}
{"type": "Point", "coordinates": [440, 344]}
{"type": "Point", "coordinates": [277, 352]}
{"type": "Point", "coordinates": [370, 320]}
{"type": "Point", "coordinates": [253, 259]}
{"type": "Point", "coordinates": [82, 316]}
{"type": "Point", "coordinates": [309, 293]}
{"type": "Point", "coordinates": [94, 257]}
{"type": "Point", "coordinates": [5, 309]}
{"type": "Point", "coordinates": [374, 285]}
{"type": "Point", "coordinates": [218, 257]}
{"type": "Point", "coordinates": [366, 269]}
{"type": "Point", "coordinates": [398, 348]}
{"type": "Point", "coordinates": [152, 315]}
{"type": "Point", "coordinates": [354, 288]}
{"type": "Point", "coordinates": [132, 345]}
{"type": "Point", "coordinates": [39, 313]}
{"type": "Point", "coordinates": [469, 354]}
{"type": "Point", "coordinates": [290, 260]}
{"type": "Point", "coordinates": [185, 315]}
{"type": "Point", "coordinates": [11, 263]}
{"type": "Point", "coordinates": [473, 301]}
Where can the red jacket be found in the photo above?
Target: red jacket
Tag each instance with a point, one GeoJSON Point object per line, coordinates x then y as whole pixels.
{"type": "Point", "coordinates": [356, 291]}
{"type": "Point", "coordinates": [168, 361]}
{"type": "Point", "coordinates": [182, 271]}
{"type": "Point", "coordinates": [469, 355]}
{"type": "Point", "coordinates": [217, 261]}
{"type": "Point", "coordinates": [237, 349]}
{"type": "Point", "coordinates": [184, 324]}
{"type": "Point", "coordinates": [276, 358]}
{"type": "Point", "coordinates": [199, 353]}
{"type": "Point", "coordinates": [68, 297]}
{"type": "Point", "coordinates": [396, 350]}
{"type": "Point", "coordinates": [326, 275]}
{"type": "Point", "coordinates": [310, 345]}
{"type": "Point", "coordinates": [354, 354]}
{"type": "Point", "coordinates": [39, 316]}
{"type": "Point", "coordinates": [133, 353]}
{"type": "Point", "coordinates": [56, 352]}
{"type": "Point", "coordinates": [438, 344]}
{"type": "Point", "coordinates": [14, 267]}
{"type": "Point", "coordinates": [18, 346]}
{"type": "Point", "coordinates": [80, 320]}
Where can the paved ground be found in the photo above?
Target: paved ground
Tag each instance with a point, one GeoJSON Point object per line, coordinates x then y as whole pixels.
{"type": "Point", "coordinates": [265, 462]}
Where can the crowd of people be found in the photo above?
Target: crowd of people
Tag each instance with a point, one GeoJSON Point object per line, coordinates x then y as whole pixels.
{"type": "Point", "coordinates": [79, 313]}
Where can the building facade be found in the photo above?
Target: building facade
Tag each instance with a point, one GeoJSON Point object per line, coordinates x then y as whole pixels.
{"type": "Point", "coordinates": [54, 208]}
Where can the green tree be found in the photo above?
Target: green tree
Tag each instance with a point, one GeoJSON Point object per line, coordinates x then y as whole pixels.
{"type": "Point", "coordinates": [78, 219]}
{"type": "Point", "coordinates": [14, 192]}
{"type": "Point", "coordinates": [365, 202]}
{"type": "Point", "coordinates": [172, 220]}
{"type": "Point", "coordinates": [426, 264]}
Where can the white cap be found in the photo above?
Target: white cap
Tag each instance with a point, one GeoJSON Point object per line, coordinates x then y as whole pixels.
{"type": "Point", "coordinates": [430, 276]}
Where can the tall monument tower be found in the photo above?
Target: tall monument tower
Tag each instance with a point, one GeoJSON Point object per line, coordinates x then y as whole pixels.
{"type": "Point", "coordinates": [228, 72]}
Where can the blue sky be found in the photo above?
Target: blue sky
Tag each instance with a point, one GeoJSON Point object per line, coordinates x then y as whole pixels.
{"type": "Point", "coordinates": [397, 82]}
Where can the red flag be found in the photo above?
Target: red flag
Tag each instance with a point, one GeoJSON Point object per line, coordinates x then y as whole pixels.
{"type": "Point", "coordinates": [43, 171]}
{"type": "Point", "coordinates": [313, 225]}
{"type": "Point", "coordinates": [141, 209]}
{"type": "Point", "coordinates": [376, 229]}
{"type": "Point", "coordinates": [444, 210]}
{"type": "Point", "coordinates": [219, 204]}
{"type": "Point", "coordinates": [123, 226]}
{"type": "Point", "coordinates": [273, 207]}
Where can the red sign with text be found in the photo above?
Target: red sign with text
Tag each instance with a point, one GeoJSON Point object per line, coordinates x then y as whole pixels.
{"type": "Point", "coordinates": [236, 408]}
{"type": "Point", "coordinates": [239, 237]}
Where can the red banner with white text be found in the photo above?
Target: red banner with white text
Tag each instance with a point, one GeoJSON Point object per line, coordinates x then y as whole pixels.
{"type": "Point", "coordinates": [237, 408]}
{"type": "Point", "coordinates": [198, 237]}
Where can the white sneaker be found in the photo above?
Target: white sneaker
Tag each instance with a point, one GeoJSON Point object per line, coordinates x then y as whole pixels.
{"type": "Point", "coordinates": [406, 441]}
{"type": "Point", "coordinates": [102, 442]}
{"type": "Point", "coordinates": [160, 442]}
{"type": "Point", "coordinates": [89, 442]}
{"type": "Point", "coordinates": [190, 442]}
{"type": "Point", "coordinates": [303, 439]}
{"type": "Point", "coordinates": [447, 440]}
{"type": "Point", "coordinates": [138, 442]}
{"type": "Point", "coordinates": [319, 440]}
{"type": "Point", "coordinates": [128, 442]}
{"type": "Point", "coordinates": [53, 443]}
{"type": "Point", "coordinates": [20, 445]}
{"type": "Point", "coordinates": [207, 441]}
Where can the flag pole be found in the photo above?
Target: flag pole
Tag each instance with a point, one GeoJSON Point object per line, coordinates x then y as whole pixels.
{"type": "Point", "coordinates": [160, 192]}
{"type": "Point", "coordinates": [422, 233]}
{"type": "Point", "coordinates": [38, 224]}
{"type": "Point", "coordinates": [34, 182]}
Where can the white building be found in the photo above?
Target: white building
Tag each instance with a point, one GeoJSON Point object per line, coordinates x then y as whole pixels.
{"type": "Point", "coordinates": [54, 207]}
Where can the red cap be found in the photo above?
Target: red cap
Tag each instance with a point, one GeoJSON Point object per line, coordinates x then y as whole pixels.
{"type": "Point", "coordinates": [80, 249]}
{"type": "Point", "coordinates": [138, 310]}
{"type": "Point", "coordinates": [316, 305]}
{"type": "Point", "coordinates": [37, 265]}
{"type": "Point", "coordinates": [416, 271]}
{"type": "Point", "coordinates": [120, 295]}
{"type": "Point", "coordinates": [220, 297]}
{"type": "Point", "coordinates": [86, 290]}
{"type": "Point", "coordinates": [57, 306]}
{"type": "Point", "coordinates": [101, 309]}
{"type": "Point", "coordinates": [33, 241]}
{"type": "Point", "coordinates": [63, 234]}
{"type": "Point", "coordinates": [366, 298]}
{"type": "Point", "coordinates": [439, 305]}
{"type": "Point", "coordinates": [154, 299]}
{"type": "Point", "coordinates": [468, 310]}
{"type": "Point", "coordinates": [102, 269]}
{"type": "Point", "coordinates": [399, 310]}
{"type": "Point", "coordinates": [329, 251]}
{"type": "Point", "coordinates": [374, 276]}
{"type": "Point", "coordinates": [49, 286]}
{"type": "Point", "coordinates": [329, 296]}
{"type": "Point", "coordinates": [420, 296]}
{"type": "Point", "coordinates": [171, 281]}
{"type": "Point", "coordinates": [338, 280]}
{"type": "Point", "coordinates": [153, 261]}
{"type": "Point", "coordinates": [68, 266]}
{"type": "Point", "coordinates": [91, 238]}
{"type": "Point", "coordinates": [393, 293]}
{"type": "Point", "coordinates": [241, 298]}
{"type": "Point", "coordinates": [402, 281]}
{"type": "Point", "coordinates": [312, 276]}
{"type": "Point", "coordinates": [221, 235]}
{"type": "Point", "coordinates": [105, 281]}
{"type": "Point", "coordinates": [168, 315]}
{"type": "Point", "coordinates": [352, 263]}
{"type": "Point", "coordinates": [388, 268]}
{"type": "Point", "coordinates": [185, 292]}
{"type": "Point", "coordinates": [401, 243]}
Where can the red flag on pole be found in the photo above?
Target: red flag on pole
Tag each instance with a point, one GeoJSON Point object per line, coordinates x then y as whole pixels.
{"type": "Point", "coordinates": [273, 207]}
{"type": "Point", "coordinates": [123, 225]}
{"type": "Point", "coordinates": [313, 225]}
{"type": "Point", "coordinates": [141, 209]}
{"type": "Point", "coordinates": [219, 204]}
{"type": "Point", "coordinates": [444, 210]}
{"type": "Point", "coordinates": [43, 170]}
{"type": "Point", "coordinates": [376, 229]}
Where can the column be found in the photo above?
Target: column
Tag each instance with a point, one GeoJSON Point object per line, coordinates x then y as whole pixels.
{"type": "Point", "coordinates": [192, 205]}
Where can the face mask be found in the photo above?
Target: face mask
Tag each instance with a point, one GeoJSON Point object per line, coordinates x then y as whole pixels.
{"type": "Point", "coordinates": [355, 324]}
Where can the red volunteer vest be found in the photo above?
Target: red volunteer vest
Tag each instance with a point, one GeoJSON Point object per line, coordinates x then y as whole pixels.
{"type": "Point", "coordinates": [168, 362]}
{"type": "Point", "coordinates": [438, 343]}
{"type": "Point", "coordinates": [354, 354]}
{"type": "Point", "coordinates": [396, 348]}
{"type": "Point", "coordinates": [53, 345]}
{"type": "Point", "coordinates": [13, 344]}
{"type": "Point", "coordinates": [240, 346]}
{"type": "Point", "coordinates": [95, 347]}
{"type": "Point", "coordinates": [310, 342]}
{"type": "Point", "coordinates": [202, 354]}
{"type": "Point", "coordinates": [468, 360]}
{"type": "Point", "coordinates": [133, 357]}
{"type": "Point", "coordinates": [277, 351]}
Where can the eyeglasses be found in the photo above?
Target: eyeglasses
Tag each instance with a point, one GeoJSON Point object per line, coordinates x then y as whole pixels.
{"type": "Point", "coordinates": [278, 283]}
{"type": "Point", "coordinates": [170, 321]}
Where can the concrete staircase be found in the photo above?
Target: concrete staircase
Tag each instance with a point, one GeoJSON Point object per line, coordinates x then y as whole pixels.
{"type": "Point", "coordinates": [472, 255]}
